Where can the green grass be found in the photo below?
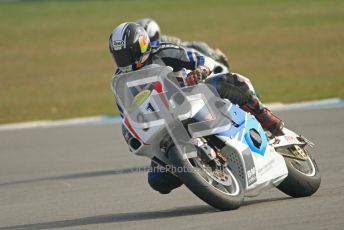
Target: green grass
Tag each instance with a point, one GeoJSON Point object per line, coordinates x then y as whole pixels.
{"type": "Point", "coordinates": [54, 59]}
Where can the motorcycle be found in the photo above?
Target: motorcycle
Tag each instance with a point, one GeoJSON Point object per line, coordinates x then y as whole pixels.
{"type": "Point", "coordinates": [220, 152]}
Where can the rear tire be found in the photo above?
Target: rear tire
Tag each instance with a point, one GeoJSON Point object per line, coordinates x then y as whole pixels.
{"type": "Point", "coordinates": [204, 189]}
{"type": "Point", "coordinates": [298, 183]}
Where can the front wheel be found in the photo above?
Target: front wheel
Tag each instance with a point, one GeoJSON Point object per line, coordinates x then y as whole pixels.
{"type": "Point", "coordinates": [219, 188]}
{"type": "Point", "coordinates": [303, 177]}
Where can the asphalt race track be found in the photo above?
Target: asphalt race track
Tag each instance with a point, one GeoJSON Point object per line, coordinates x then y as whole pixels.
{"type": "Point", "coordinates": [79, 178]}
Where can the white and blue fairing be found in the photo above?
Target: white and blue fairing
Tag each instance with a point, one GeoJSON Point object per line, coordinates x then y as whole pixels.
{"type": "Point", "coordinates": [244, 123]}
{"type": "Point", "coordinates": [262, 165]}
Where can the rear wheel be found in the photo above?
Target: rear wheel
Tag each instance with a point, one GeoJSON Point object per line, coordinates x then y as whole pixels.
{"type": "Point", "coordinates": [219, 188]}
{"type": "Point", "coordinates": [303, 176]}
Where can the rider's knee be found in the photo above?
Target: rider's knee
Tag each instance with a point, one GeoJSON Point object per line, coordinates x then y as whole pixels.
{"type": "Point", "coordinates": [163, 182]}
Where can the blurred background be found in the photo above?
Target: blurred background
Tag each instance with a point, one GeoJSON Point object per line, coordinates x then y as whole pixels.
{"type": "Point", "coordinates": [55, 63]}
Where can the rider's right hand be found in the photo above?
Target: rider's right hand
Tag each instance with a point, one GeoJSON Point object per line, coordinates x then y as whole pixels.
{"type": "Point", "coordinates": [197, 76]}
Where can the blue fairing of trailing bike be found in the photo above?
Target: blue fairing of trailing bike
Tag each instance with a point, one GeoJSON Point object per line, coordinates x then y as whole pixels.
{"type": "Point", "coordinates": [244, 122]}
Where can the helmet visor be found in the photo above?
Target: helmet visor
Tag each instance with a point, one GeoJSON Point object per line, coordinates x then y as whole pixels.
{"type": "Point", "coordinates": [123, 57]}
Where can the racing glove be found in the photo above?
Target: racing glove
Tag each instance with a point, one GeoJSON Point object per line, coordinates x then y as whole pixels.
{"type": "Point", "coordinates": [198, 75]}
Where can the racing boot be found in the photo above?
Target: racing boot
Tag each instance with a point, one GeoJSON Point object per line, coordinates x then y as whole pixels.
{"type": "Point", "coordinates": [267, 119]}
{"type": "Point", "coordinates": [270, 122]}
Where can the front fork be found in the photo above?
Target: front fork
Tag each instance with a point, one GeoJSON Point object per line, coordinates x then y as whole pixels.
{"type": "Point", "coordinates": [210, 155]}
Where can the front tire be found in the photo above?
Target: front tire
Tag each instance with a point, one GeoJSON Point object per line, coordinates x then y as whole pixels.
{"type": "Point", "coordinates": [206, 189]}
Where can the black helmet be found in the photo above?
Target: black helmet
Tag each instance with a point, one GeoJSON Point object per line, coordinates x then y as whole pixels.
{"type": "Point", "coordinates": [130, 46]}
{"type": "Point", "coordinates": [152, 28]}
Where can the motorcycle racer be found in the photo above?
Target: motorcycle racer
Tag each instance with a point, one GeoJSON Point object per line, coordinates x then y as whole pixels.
{"type": "Point", "coordinates": [154, 33]}
{"type": "Point", "coordinates": [131, 49]}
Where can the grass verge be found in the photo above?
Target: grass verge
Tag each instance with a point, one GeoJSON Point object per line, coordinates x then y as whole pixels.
{"type": "Point", "coordinates": [54, 59]}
